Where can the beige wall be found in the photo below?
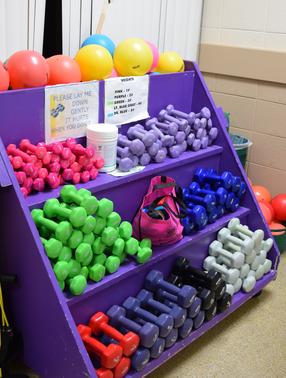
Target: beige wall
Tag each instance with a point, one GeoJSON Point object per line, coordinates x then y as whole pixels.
{"type": "Point", "coordinates": [257, 107]}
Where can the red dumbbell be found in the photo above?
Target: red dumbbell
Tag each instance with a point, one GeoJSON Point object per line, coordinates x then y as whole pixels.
{"type": "Point", "coordinates": [83, 160]}
{"type": "Point", "coordinates": [104, 373]}
{"type": "Point", "coordinates": [26, 146]}
{"type": "Point", "coordinates": [99, 324]}
{"type": "Point", "coordinates": [122, 368]}
{"type": "Point", "coordinates": [56, 148]}
{"type": "Point", "coordinates": [109, 355]}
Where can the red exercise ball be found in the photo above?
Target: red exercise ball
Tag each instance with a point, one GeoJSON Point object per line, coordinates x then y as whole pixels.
{"type": "Point", "coordinates": [277, 226]}
{"type": "Point", "coordinates": [63, 70]}
{"type": "Point", "coordinates": [27, 69]}
{"type": "Point", "coordinates": [266, 212]}
{"type": "Point", "coordinates": [4, 78]}
{"type": "Point", "coordinates": [270, 207]}
{"type": "Point", "coordinates": [261, 193]}
{"type": "Point", "coordinates": [279, 206]}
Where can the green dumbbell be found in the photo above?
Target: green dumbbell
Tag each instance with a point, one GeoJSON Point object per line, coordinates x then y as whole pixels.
{"type": "Point", "coordinates": [113, 219]}
{"type": "Point", "coordinates": [84, 271]}
{"type": "Point", "coordinates": [61, 285]}
{"type": "Point", "coordinates": [65, 254]}
{"type": "Point", "coordinates": [88, 225]}
{"type": "Point", "coordinates": [112, 264]}
{"type": "Point", "coordinates": [44, 232]}
{"type": "Point", "coordinates": [131, 246]}
{"type": "Point", "coordinates": [105, 208]}
{"type": "Point", "coordinates": [62, 230]}
{"type": "Point", "coordinates": [88, 238]}
{"type": "Point", "coordinates": [98, 247]}
{"type": "Point", "coordinates": [77, 284]}
{"type": "Point", "coordinates": [52, 247]}
{"type": "Point", "coordinates": [96, 272]}
{"type": "Point", "coordinates": [100, 224]}
{"type": "Point", "coordinates": [74, 268]}
{"type": "Point", "coordinates": [99, 259]}
{"type": "Point", "coordinates": [109, 235]}
{"type": "Point", "coordinates": [75, 239]}
{"type": "Point", "coordinates": [125, 230]}
{"type": "Point", "coordinates": [143, 255]}
{"type": "Point", "coordinates": [83, 254]}
{"type": "Point", "coordinates": [69, 194]}
{"type": "Point", "coordinates": [118, 247]}
{"type": "Point", "coordinates": [146, 243]}
{"type": "Point", "coordinates": [62, 270]}
{"type": "Point", "coordinates": [76, 216]}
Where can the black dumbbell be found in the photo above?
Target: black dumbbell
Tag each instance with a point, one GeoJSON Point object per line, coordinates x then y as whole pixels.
{"type": "Point", "coordinates": [224, 302]}
{"type": "Point", "coordinates": [212, 280]}
{"type": "Point", "coordinates": [211, 312]}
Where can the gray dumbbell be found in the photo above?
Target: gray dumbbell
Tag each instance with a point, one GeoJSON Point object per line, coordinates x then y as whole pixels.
{"type": "Point", "coordinates": [235, 226]}
{"type": "Point", "coordinates": [236, 259]}
{"type": "Point", "coordinates": [248, 283]}
{"type": "Point", "coordinates": [259, 260]}
{"type": "Point", "coordinates": [224, 235]}
{"type": "Point", "coordinates": [229, 275]}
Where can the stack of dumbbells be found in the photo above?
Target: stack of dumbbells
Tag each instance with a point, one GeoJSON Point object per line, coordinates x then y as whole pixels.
{"type": "Point", "coordinates": [171, 134]}
{"type": "Point", "coordinates": [239, 254]}
{"type": "Point", "coordinates": [84, 238]}
{"type": "Point", "coordinates": [160, 314]}
{"type": "Point", "coordinates": [209, 197]}
{"type": "Point", "coordinates": [50, 165]}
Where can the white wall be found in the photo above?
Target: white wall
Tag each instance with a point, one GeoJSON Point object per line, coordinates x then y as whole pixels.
{"type": "Point", "coordinates": [245, 23]}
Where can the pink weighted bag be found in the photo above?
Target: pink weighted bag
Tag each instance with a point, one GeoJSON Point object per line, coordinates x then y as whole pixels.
{"type": "Point", "coordinates": [167, 230]}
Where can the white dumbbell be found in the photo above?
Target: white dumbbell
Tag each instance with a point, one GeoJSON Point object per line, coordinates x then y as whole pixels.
{"type": "Point", "coordinates": [229, 275]}
{"type": "Point", "coordinates": [236, 286]}
{"type": "Point", "coordinates": [259, 260]}
{"type": "Point", "coordinates": [244, 270]}
{"type": "Point", "coordinates": [256, 247]}
{"type": "Point", "coordinates": [258, 273]}
{"type": "Point", "coordinates": [267, 266]}
{"type": "Point", "coordinates": [248, 283]}
{"type": "Point", "coordinates": [257, 236]}
{"type": "Point", "coordinates": [251, 257]}
{"type": "Point", "coordinates": [224, 235]}
{"type": "Point", "coordinates": [236, 259]}
{"type": "Point", "coordinates": [267, 244]}
{"type": "Point", "coordinates": [229, 289]}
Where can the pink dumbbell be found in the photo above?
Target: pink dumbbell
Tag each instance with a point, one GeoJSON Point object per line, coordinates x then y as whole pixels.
{"type": "Point", "coordinates": [55, 167]}
{"type": "Point", "coordinates": [85, 176]}
{"type": "Point", "coordinates": [39, 184]}
{"type": "Point", "coordinates": [76, 167]}
{"type": "Point", "coordinates": [13, 150]}
{"type": "Point", "coordinates": [56, 147]}
{"type": "Point", "coordinates": [78, 149]}
{"type": "Point", "coordinates": [93, 173]}
{"type": "Point", "coordinates": [99, 163]}
{"type": "Point", "coordinates": [55, 158]}
{"type": "Point", "coordinates": [76, 178]}
{"type": "Point", "coordinates": [53, 180]}
{"type": "Point", "coordinates": [40, 151]}
{"type": "Point", "coordinates": [69, 142]}
{"type": "Point", "coordinates": [67, 174]}
{"type": "Point", "coordinates": [66, 153]}
{"type": "Point", "coordinates": [64, 163]}
{"type": "Point", "coordinates": [21, 177]}
{"type": "Point", "coordinates": [31, 170]}
{"type": "Point", "coordinates": [24, 191]}
{"type": "Point", "coordinates": [17, 162]}
{"type": "Point", "coordinates": [43, 173]}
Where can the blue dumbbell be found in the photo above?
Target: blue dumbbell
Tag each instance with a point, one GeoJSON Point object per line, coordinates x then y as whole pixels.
{"type": "Point", "coordinates": [147, 300]}
{"type": "Point", "coordinates": [199, 319]}
{"type": "Point", "coordinates": [220, 211]}
{"type": "Point", "coordinates": [195, 308]}
{"type": "Point", "coordinates": [148, 333]}
{"type": "Point", "coordinates": [197, 214]}
{"type": "Point", "coordinates": [213, 215]}
{"type": "Point", "coordinates": [158, 348]}
{"type": "Point", "coordinates": [171, 338]}
{"type": "Point", "coordinates": [165, 322]}
{"type": "Point", "coordinates": [220, 193]}
{"type": "Point", "coordinates": [184, 296]}
{"type": "Point", "coordinates": [203, 176]}
{"type": "Point", "coordinates": [242, 190]}
{"type": "Point", "coordinates": [232, 202]}
{"type": "Point", "coordinates": [186, 328]}
{"type": "Point", "coordinates": [236, 184]}
{"type": "Point", "coordinates": [208, 201]}
{"type": "Point", "coordinates": [188, 225]}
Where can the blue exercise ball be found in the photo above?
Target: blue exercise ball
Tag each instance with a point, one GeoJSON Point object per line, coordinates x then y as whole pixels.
{"type": "Point", "coordinates": [100, 39]}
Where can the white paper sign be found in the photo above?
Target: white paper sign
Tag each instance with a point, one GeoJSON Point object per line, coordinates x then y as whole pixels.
{"type": "Point", "coordinates": [69, 109]}
{"type": "Point", "coordinates": [126, 99]}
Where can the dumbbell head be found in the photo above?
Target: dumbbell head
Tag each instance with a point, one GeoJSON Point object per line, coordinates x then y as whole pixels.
{"type": "Point", "coordinates": [158, 348]}
{"type": "Point", "coordinates": [211, 312]}
{"type": "Point", "coordinates": [171, 338]}
{"type": "Point", "coordinates": [140, 359]}
{"type": "Point", "coordinates": [195, 307]}
{"type": "Point", "coordinates": [199, 319]}
{"type": "Point", "coordinates": [248, 284]}
{"type": "Point", "coordinates": [224, 302]}
{"type": "Point", "coordinates": [186, 328]}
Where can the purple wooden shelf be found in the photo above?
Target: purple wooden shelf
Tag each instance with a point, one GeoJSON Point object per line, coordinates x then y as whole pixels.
{"type": "Point", "coordinates": [238, 300]}
{"type": "Point", "coordinates": [159, 253]}
{"type": "Point", "coordinates": [105, 181]}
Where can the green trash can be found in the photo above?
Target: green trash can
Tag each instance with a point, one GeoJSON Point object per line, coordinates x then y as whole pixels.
{"type": "Point", "coordinates": [241, 146]}
{"type": "Point", "coordinates": [280, 238]}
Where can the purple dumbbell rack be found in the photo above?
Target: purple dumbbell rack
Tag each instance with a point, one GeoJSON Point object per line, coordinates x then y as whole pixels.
{"type": "Point", "coordinates": [46, 317]}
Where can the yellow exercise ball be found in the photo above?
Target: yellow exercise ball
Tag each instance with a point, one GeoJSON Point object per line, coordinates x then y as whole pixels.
{"type": "Point", "coordinates": [133, 57]}
{"type": "Point", "coordinates": [95, 62]}
{"type": "Point", "coordinates": [169, 62]}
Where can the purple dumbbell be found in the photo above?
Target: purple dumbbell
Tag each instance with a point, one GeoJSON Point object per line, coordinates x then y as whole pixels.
{"type": "Point", "coordinates": [164, 321]}
{"type": "Point", "coordinates": [190, 139]}
{"type": "Point", "coordinates": [135, 159]}
{"type": "Point", "coordinates": [148, 333]}
{"type": "Point", "coordinates": [171, 338]}
{"type": "Point", "coordinates": [147, 301]}
{"type": "Point", "coordinates": [177, 113]}
{"type": "Point", "coordinates": [158, 348]}
{"type": "Point", "coordinates": [153, 150]}
{"type": "Point", "coordinates": [195, 308]}
{"type": "Point", "coordinates": [204, 142]}
{"type": "Point", "coordinates": [196, 145]}
{"type": "Point", "coordinates": [180, 137]}
{"type": "Point", "coordinates": [197, 124]}
{"type": "Point", "coordinates": [135, 146]}
{"type": "Point", "coordinates": [140, 358]}
{"type": "Point", "coordinates": [124, 164]}
{"type": "Point", "coordinates": [167, 128]}
{"type": "Point", "coordinates": [186, 328]}
{"type": "Point", "coordinates": [145, 159]}
{"type": "Point", "coordinates": [146, 137]}
{"type": "Point", "coordinates": [213, 132]}
{"type": "Point", "coordinates": [187, 130]}
{"type": "Point", "coordinates": [201, 133]}
{"type": "Point", "coordinates": [160, 156]}
{"type": "Point", "coordinates": [199, 319]}
{"type": "Point", "coordinates": [203, 122]}
{"type": "Point", "coordinates": [164, 116]}
{"type": "Point", "coordinates": [122, 152]}
{"type": "Point", "coordinates": [167, 140]}
{"type": "Point", "coordinates": [165, 295]}
{"type": "Point", "coordinates": [204, 113]}
{"type": "Point", "coordinates": [178, 149]}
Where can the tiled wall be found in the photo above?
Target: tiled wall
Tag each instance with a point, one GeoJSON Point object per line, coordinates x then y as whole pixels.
{"type": "Point", "coordinates": [258, 108]}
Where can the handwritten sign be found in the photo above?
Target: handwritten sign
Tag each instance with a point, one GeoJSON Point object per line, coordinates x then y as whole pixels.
{"type": "Point", "coordinates": [126, 99]}
{"type": "Point", "coordinates": [69, 109]}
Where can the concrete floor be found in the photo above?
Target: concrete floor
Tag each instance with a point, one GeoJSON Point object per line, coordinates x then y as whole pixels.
{"type": "Point", "coordinates": [250, 343]}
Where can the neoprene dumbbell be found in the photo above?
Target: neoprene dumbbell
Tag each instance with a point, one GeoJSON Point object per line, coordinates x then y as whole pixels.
{"type": "Point", "coordinates": [164, 116]}
{"type": "Point", "coordinates": [199, 319]}
{"type": "Point", "coordinates": [164, 321]}
{"type": "Point", "coordinates": [203, 176]}
{"type": "Point", "coordinates": [99, 324]}
{"type": "Point", "coordinates": [190, 117]}
{"type": "Point", "coordinates": [236, 259]}
{"type": "Point", "coordinates": [103, 373]}
{"type": "Point", "coordinates": [62, 230]}
{"type": "Point", "coordinates": [109, 355]}
{"type": "Point", "coordinates": [147, 301]}
{"type": "Point", "coordinates": [167, 140]}
{"type": "Point", "coordinates": [211, 312]}
{"type": "Point", "coordinates": [83, 198]}
{"type": "Point", "coordinates": [220, 193]}
{"type": "Point", "coordinates": [188, 225]}
{"type": "Point", "coordinates": [177, 150]}
{"type": "Point", "coordinates": [148, 333]}
{"type": "Point", "coordinates": [224, 302]}
{"type": "Point", "coordinates": [124, 164]}
{"type": "Point", "coordinates": [224, 235]}
{"type": "Point", "coordinates": [52, 247]}
{"type": "Point", "coordinates": [229, 275]}
{"type": "Point", "coordinates": [212, 280]}
{"type": "Point", "coordinates": [186, 328]}
{"type": "Point", "coordinates": [170, 128]}
{"type": "Point", "coordinates": [146, 137]}
{"type": "Point", "coordinates": [257, 236]}
{"type": "Point", "coordinates": [184, 296]}
{"type": "Point", "coordinates": [208, 201]}
{"type": "Point", "coordinates": [197, 214]}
